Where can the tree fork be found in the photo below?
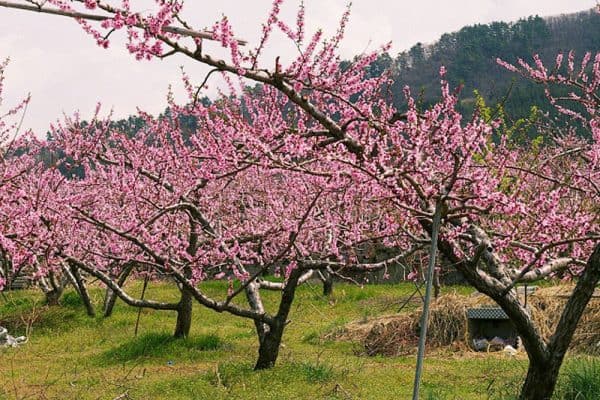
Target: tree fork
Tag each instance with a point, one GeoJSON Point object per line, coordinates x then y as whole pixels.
{"type": "Point", "coordinates": [110, 297]}
{"type": "Point", "coordinates": [270, 344]}
{"type": "Point", "coordinates": [542, 375]}
{"type": "Point", "coordinates": [545, 360]}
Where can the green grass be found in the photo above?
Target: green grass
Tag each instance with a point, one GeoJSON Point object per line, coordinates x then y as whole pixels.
{"type": "Point", "coordinates": [581, 379]}
{"type": "Point", "coordinates": [72, 356]}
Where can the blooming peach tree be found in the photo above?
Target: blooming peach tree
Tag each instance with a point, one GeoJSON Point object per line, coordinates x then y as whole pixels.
{"type": "Point", "coordinates": [306, 168]}
{"type": "Point", "coordinates": [17, 160]}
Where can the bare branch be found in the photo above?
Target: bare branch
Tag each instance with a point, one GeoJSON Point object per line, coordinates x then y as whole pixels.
{"type": "Point", "coordinates": [118, 290]}
{"type": "Point", "coordinates": [547, 247]}
{"type": "Point", "coordinates": [269, 285]}
{"type": "Point", "coordinates": [360, 267]}
{"type": "Point", "coordinates": [547, 269]}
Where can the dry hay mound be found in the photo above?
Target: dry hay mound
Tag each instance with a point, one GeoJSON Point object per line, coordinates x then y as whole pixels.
{"type": "Point", "coordinates": [394, 335]}
{"type": "Point", "coordinates": [547, 305]}
{"type": "Point", "coordinates": [400, 335]}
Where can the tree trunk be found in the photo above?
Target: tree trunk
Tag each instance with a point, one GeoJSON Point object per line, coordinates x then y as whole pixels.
{"type": "Point", "coordinates": [83, 293]}
{"type": "Point", "coordinates": [184, 308]}
{"type": "Point", "coordinates": [184, 314]}
{"type": "Point", "coordinates": [545, 360]}
{"type": "Point", "coordinates": [540, 381]}
{"type": "Point", "coordinates": [268, 339]}
{"type": "Point", "coordinates": [270, 342]}
{"type": "Point", "coordinates": [110, 297]}
{"type": "Point", "coordinates": [268, 351]}
{"type": "Point", "coordinates": [53, 288]}
{"type": "Point", "coordinates": [53, 296]}
{"type": "Point", "coordinates": [255, 302]}
{"type": "Point", "coordinates": [328, 285]}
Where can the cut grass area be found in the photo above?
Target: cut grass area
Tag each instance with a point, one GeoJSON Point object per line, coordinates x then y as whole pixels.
{"type": "Point", "coordinates": [72, 356]}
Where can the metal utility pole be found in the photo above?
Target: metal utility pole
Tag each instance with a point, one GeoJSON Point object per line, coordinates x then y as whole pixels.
{"type": "Point", "coordinates": [437, 216]}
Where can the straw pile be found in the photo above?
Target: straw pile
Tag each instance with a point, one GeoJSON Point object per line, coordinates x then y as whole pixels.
{"type": "Point", "coordinates": [399, 334]}
{"type": "Point", "coordinates": [547, 305]}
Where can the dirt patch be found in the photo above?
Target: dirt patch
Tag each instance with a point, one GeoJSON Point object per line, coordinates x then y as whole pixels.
{"type": "Point", "coordinates": [398, 334]}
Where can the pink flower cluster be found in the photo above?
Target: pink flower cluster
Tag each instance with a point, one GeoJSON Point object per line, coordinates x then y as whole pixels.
{"type": "Point", "coordinates": [315, 165]}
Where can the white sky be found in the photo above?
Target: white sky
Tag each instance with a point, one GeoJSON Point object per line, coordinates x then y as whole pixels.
{"type": "Point", "coordinates": [65, 71]}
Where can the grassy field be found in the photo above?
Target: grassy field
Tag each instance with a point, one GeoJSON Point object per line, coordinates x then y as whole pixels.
{"type": "Point", "coordinates": [72, 356]}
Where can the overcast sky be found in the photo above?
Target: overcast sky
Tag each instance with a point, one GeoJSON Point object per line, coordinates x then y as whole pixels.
{"type": "Point", "coordinates": [63, 69]}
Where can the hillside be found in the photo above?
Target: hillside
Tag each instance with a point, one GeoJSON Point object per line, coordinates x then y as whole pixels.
{"type": "Point", "coordinates": [470, 58]}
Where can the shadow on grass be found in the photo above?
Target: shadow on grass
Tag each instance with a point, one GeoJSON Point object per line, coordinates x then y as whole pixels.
{"type": "Point", "coordinates": [71, 300]}
{"type": "Point", "coordinates": [45, 319]}
{"type": "Point", "coordinates": [160, 345]}
{"type": "Point", "coordinates": [25, 309]}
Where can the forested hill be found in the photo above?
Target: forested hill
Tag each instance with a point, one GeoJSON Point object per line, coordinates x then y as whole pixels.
{"type": "Point", "coordinates": [470, 58]}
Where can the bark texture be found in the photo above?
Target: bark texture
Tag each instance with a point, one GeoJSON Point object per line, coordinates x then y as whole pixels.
{"type": "Point", "coordinates": [184, 314]}
{"type": "Point", "coordinates": [83, 292]}
{"type": "Point", "coordinates": [270, 342]}
{"type": "Point", "coordinates": [327, 278]}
